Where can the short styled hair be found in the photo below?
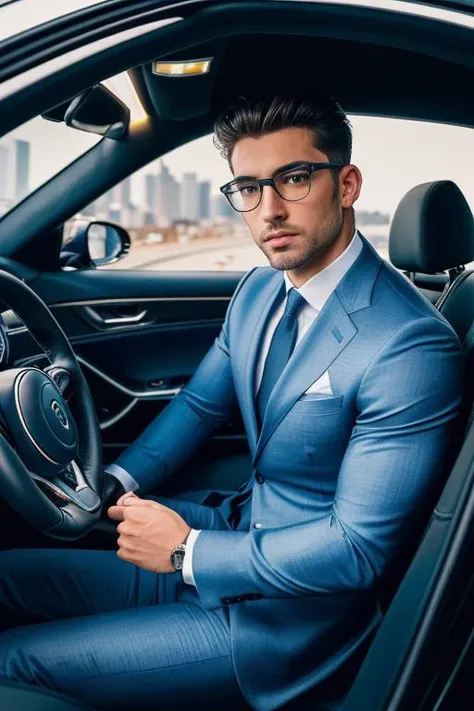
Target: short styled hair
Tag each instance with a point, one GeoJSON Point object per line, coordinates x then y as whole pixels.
{"type": "Point", "coordinates": [254, 117]}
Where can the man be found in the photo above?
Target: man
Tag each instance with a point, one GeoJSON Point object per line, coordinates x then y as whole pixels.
{"type": "Point", "coordinates": [349, 383]}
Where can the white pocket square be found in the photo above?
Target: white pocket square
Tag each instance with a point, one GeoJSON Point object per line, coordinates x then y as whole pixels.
{"type": "Point", "coordinates": [321, 385]}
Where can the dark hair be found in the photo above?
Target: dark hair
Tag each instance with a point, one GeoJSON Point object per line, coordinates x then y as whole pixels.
{"type": "Point", "coordinates": [253, 117]}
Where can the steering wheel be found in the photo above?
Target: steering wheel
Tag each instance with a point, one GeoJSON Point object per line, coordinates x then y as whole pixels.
{"type": "Point", "coordinates": [50, 464]}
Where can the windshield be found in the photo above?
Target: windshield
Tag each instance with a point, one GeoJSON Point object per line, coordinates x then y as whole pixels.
{"type": "Point", "coordinates": [33, 153]}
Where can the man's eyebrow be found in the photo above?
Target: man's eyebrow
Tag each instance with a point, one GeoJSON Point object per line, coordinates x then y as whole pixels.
{"type": "Point", "coordinates": [289, 166]}
{"type": "Point", "coordinates": [280, 169]}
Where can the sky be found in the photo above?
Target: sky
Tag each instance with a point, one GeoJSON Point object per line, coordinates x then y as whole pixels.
{"type": "Point", "coordinates": [393, 155]}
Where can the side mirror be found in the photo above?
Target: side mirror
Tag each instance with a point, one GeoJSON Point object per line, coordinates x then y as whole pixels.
{"type": "Point", "coordinates": [93, 244]}
{"type": "Point", "coordinates": [96, 110]}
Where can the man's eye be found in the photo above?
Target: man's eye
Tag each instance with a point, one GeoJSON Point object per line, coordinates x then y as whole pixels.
{"type": "Point", "coordinates": [295, 178]}
{"type": "Point", "coordinates": [248, 189]}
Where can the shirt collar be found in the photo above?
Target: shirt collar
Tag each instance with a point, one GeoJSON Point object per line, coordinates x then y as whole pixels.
{"type": "Point", "coordinates": [319, 288]}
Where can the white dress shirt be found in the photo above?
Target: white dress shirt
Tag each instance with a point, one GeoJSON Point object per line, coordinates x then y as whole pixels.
{"type": "Point", "coordinates": [316, 291]}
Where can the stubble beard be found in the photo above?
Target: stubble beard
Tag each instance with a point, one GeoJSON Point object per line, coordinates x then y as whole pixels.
{"type": "Point", "coordinates": [314, 249]}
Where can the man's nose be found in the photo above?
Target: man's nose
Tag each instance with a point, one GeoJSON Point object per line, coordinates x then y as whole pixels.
{"type": "Point", "coordinates": [273, 207]}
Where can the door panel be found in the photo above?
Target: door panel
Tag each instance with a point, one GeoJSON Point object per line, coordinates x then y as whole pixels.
{"type": "Point", "coordinates": [152, 359]}
{"type": "Point", "coordinates": [139, 342]}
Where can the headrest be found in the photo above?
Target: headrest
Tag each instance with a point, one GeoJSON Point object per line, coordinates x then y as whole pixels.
{"type": "Point", "coordinates": [432, 229]}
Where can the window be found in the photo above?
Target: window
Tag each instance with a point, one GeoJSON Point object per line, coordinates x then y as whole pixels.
{"type": "Point", "coordinates": [33, 153]}
{"type": "Point", "coordinates": [177, 219]}
{"type": "Point", "coordinates": [36, 151]}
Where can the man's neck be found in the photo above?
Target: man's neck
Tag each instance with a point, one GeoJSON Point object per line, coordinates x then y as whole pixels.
{"type": "Point", "coordinates": [298, 277]}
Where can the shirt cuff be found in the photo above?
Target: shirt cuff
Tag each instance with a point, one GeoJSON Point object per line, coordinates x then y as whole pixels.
{"type": "Point", "coordinates": [187, 571]}
{"type": "Point", "coordinates": [127, 481]}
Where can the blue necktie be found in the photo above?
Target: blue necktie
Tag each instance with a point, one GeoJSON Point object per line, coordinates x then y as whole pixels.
{"type": "Point", "coordinates": [281, 348]}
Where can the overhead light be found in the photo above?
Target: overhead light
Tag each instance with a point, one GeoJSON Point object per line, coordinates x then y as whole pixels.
{"type": "Point", "coordinates": [182, 69]}
{"type": "Point", "coordinates": [121, 85]}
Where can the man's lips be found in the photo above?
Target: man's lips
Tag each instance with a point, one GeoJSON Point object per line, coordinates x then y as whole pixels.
{"type": "Point", "coordinates": [280, 239]}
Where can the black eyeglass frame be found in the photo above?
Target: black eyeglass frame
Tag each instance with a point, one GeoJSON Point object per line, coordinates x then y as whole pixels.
{"type": "Point", "coordinates": [310, 167]}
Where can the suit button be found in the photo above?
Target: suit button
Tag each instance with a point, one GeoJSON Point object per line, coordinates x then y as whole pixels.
{"type": "Point", "coordinates": [258, 525]}
{"type": "Point", "coordinates": [259, 478]}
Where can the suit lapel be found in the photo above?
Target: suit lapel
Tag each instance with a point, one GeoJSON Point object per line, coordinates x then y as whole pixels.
{"type": "Point", "coordinates": [263, 308]}
{"type": "Point", "coordinates": [321, 345]}
{"type": "Point", "coordinates": [324, 341]}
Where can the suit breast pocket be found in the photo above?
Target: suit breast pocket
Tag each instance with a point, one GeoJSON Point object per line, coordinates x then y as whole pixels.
{"type": "Point", "coordinates": [321, 424]}
{"type": "Point", "coordinates": [314, 404]}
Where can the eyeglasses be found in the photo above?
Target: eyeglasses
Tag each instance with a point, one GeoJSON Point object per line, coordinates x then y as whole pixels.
{"type": "Point", "coordinates": [245, 194]}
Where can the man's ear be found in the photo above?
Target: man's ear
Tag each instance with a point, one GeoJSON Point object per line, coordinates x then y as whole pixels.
{"type": "Point", "coordinates": [350, 179]}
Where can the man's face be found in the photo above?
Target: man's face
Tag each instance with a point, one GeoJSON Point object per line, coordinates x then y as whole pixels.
{"type": "Point", "coordinates": [294, 236]}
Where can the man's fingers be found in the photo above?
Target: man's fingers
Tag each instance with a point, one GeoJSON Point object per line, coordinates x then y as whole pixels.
{"type": "Point", "coordinates": [129, 555]}
{"type": "Point", "coordinates": [125, 529]}
{"type": "Point", "coordinates": [125, 496]}
{"type": "Point", "coordinates": [136, 501]}
{"type": "Point", "coordinates": [124, 543]}
{"type": "Point", "coordinates": [116, 513]}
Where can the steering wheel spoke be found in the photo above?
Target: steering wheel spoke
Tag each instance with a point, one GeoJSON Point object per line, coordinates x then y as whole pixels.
{"type": "Point", "coordinates": [70, 486]}
{"type": "Point", "coordinates": [62, 378]}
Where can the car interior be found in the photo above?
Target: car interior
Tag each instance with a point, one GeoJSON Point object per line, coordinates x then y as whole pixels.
{"type": "Point", "coordinates": [398, 64]}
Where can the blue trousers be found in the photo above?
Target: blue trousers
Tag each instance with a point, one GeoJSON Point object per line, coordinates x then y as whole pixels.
{"type": "Point", "coordinates": [112, 635]}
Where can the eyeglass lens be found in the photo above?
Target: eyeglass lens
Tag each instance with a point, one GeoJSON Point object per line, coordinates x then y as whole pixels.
{"type": "Point", "coordinates": [291, 185]}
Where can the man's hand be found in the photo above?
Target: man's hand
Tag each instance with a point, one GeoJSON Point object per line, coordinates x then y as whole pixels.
{"type": "Point", "coordinates": [148, 532]}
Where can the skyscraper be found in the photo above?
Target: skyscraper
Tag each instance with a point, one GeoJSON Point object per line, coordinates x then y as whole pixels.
{"type": "Point", "coordinates": [167, 197]}
{"type": "Point", "coordinates": [126, 193]}
{"type": "Point", "coordinates": [22, 169]}
{"type": "Point", "coordinates": [150, 199]}
{"type": "Point", "coordinates": [204, 200]}
{"type": "Point", "coordinates": [189, 197]}
{"type": "Point", "coordinates": [150, 191]}
{"type": "Point", "coordinates": [174, 196]}
{"type": "Point", "coordinates": [222, 209]}
{"type": "Point", "coordinates": [115, 203]}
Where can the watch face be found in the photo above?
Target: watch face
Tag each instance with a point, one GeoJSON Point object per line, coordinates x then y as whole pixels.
{"type": "Point", "coordinates": [177, 558]}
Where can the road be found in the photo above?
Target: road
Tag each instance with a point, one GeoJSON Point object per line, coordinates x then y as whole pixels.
{"type": "Point", "coordinates": [238, 254]}
{"type": "Point", "coordinates": [235, 257]}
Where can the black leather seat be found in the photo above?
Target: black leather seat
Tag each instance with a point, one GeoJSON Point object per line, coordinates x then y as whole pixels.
{"type": "Point", "coordinates": [433, 231]}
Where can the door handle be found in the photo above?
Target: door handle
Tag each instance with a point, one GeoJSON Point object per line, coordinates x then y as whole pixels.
{"type": "Point", "coordinates": [120, 315]}
{"type": "Point", "coordinates": [126, 319]}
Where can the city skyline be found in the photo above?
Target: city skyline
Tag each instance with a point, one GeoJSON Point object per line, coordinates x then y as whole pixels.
{"type": "Point", "coordinates": [167, 201]}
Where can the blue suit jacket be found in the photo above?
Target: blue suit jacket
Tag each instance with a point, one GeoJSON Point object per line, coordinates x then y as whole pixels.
{"type": "Point", "coordinates": [342, 477]}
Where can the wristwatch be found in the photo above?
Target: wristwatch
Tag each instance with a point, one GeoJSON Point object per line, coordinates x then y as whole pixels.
{"type": "Point", "coordinates": [177, 556]}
